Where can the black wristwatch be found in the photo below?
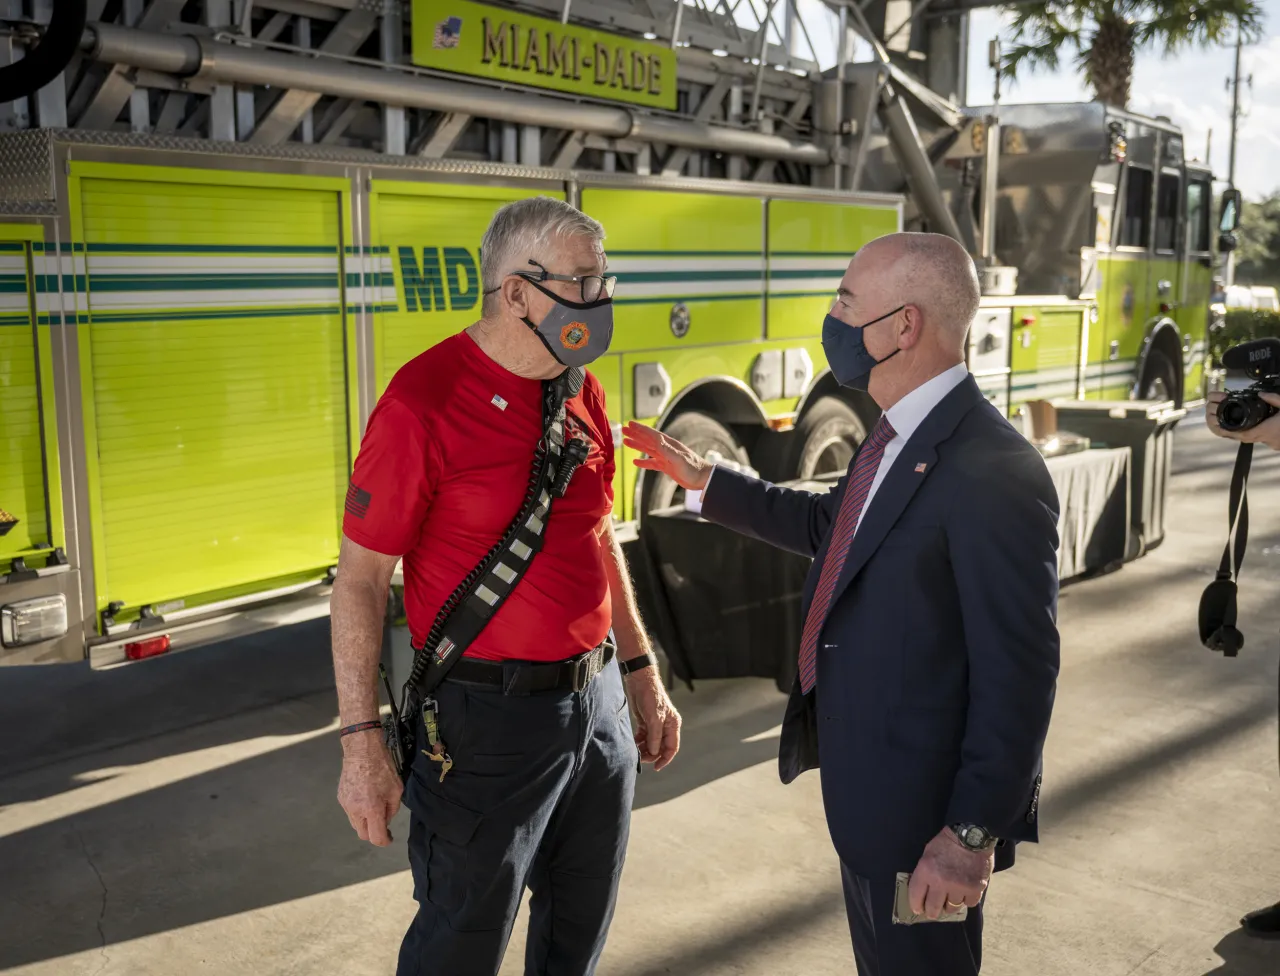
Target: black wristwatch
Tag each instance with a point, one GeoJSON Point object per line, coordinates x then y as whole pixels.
{"type": "Point", "coordinates": [973, 838]}
{"type": "Point", "coordinates": [631, 665]}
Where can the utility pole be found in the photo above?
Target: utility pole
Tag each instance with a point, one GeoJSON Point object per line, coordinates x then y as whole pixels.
{"type": "Point", "coordinates": [1230, 272]}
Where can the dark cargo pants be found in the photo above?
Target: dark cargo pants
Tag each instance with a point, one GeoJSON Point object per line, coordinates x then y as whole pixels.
{"type": "Point", "coordinates": [540, 796]}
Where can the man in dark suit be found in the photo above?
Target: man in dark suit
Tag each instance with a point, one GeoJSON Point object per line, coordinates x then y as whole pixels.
{"type": "Point", "coordinates": [929, 655]}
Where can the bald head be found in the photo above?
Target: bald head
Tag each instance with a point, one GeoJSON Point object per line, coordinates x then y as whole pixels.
{"type": "Point", "coordinates": [913, 296]}
{"type": "Point", "coordinates": [932, 272]}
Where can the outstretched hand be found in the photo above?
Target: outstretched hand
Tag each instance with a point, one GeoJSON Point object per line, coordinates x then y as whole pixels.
{"type": "Point", "coordinates": [668, 456]}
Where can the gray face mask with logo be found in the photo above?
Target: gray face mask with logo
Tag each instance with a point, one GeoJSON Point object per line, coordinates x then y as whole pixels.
{"type": "Point", "coordinates": [575, 333]}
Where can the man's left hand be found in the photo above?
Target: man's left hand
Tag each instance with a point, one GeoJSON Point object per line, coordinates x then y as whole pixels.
{"type": "Point", "coordinates": [949, 875]}
{"type": "Point", "coordinates": [657, 721]}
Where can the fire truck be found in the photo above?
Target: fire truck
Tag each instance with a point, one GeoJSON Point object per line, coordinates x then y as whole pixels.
{"type": "Point", "coordinates": [224, 227]}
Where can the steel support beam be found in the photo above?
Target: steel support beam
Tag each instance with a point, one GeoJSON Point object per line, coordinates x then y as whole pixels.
{"type": "Point", "coordinates": [302, 38]}
{"type": "Point", "coordinates": [570, 150]}
{"type": "Point", "coordinates": [394, 131]}
{"type": "Point", "coordinates": [530, 145]}
{"type": "Point", "coordinates": [710, 109]}
{"type": "Point", "coordinates": [336, 120]}
{"type": "Point", "coordinates": [445, 135]}
{"type": "Point", "coordinates": [222, 103]}
{"type": "Point", "coordinates": [175, 106]}
{"type": "Point", "coordinates": [279, 122]}
{"type": "Point", "coordinates": [108, 101]}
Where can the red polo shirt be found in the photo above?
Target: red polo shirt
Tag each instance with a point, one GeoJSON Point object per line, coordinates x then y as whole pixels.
{"type": "Point", "coordinates": [441, 473]}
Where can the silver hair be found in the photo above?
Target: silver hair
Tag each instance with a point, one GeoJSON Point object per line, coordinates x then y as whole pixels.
{"type": "Point", "coordinates": [524, 229]}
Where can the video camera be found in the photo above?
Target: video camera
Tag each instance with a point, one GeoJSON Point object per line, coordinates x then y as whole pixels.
{"type": "Point", "coordinates": [1260, 360]}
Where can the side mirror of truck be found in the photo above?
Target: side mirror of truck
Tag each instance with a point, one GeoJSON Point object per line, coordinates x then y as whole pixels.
{"type": "Point", "coordinates": [1232, 201]}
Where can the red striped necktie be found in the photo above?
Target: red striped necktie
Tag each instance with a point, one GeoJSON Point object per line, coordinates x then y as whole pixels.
{"type": "Point", "coordinates": [855, 497]}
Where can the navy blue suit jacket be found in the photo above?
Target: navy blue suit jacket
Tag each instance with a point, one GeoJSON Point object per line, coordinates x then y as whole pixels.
{"type": "Point", "coordinates": [939, 659]}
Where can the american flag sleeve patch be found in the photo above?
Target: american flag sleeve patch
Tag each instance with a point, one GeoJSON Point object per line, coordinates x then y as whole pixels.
{"type": "Point", "coordinates": [357, 501]}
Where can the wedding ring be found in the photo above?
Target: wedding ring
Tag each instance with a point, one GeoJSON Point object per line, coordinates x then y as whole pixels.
{"type": "Point", "coordinates": [954, 904]}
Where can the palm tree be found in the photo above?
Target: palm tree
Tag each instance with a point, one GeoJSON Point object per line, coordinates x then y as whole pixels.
{"type": "Point", "coordinates": [1105, 35]}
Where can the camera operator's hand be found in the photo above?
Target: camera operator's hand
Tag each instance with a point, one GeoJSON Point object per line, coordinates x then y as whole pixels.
{"type": "Point", "coordinates": [1266, 433]}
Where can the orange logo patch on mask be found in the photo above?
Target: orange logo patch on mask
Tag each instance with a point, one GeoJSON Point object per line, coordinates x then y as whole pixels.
{"type": "Point", "coordinates": [574, 335]}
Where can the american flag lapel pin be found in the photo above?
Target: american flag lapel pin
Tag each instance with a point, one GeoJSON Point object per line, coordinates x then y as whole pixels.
{"type": "Point", "coordinates": [920, 467]}
{"type": "Point", "coordinates": [498, 402]}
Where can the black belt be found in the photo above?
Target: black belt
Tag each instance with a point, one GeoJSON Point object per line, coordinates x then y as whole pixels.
{"type": "Point", "coordinates": [525, 678]}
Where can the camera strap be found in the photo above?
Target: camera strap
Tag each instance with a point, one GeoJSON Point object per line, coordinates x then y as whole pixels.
{"type": "Point", "coordinates": [1218, 630]}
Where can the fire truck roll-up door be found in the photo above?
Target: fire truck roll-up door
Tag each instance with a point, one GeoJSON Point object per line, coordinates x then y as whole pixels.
{"type": "Point", "coordinates": [24, 508]}
{"type": "Point", "coordinates": [215, 383]}
{"type": "Point", "coordinates": [810, 246]}
{"type": "Point", "coordinates": [39, 600]}
{"type": "Point", "coordinates": [690, 302]}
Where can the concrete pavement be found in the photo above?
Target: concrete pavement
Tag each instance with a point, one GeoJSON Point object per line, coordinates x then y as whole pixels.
{"type": "Point", "coordinates": [179, 816]}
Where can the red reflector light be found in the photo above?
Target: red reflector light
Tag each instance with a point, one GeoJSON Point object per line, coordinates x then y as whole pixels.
{"type": "Point", "coordinates": [1028, 320]}
{"type": "Point", "coordinates": [138, 650]}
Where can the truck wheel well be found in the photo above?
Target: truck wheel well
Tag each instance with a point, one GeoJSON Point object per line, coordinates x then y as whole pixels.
{"type": "Point", "coordinates": [859, 402]}
{"type": "Point", "coordinates": [728, 401]}
{"type": "Point", "coordinates": [1165, 343]}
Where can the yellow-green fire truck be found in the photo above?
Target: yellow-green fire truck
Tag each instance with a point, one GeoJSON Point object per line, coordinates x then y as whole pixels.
{"type": "Point", "coordinates": [191, 342]}
{"type": "Point", "coordinates": [193, 332]}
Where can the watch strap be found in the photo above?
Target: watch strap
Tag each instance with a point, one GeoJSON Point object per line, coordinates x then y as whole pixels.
{"type": "Point", "coordinates": [631, 665]}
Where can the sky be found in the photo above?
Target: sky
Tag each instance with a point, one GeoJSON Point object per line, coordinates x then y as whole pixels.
{"type": "Point", "coordinates": [1190, 87]}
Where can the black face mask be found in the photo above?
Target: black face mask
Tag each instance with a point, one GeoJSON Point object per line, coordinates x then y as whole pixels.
{"type": "Point", "coordinates": [851, 364]}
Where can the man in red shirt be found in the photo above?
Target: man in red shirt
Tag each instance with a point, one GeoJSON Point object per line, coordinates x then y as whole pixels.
{"type": "Point", "coordinates": [522, 775]}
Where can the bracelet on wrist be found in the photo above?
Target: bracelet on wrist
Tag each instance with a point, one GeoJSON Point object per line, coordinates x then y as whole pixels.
{"type": "Point", "coordinates": [360, 727]}
{"type": "Point", "coordinates": [639, 663]}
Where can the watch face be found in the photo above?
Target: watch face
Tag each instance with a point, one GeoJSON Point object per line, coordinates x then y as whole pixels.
{"type": "Point", "coordinates": [973, 836]}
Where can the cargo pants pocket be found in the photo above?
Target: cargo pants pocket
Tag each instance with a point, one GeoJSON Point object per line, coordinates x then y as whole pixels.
{"type": "Point", "coordinates": [440, 859]}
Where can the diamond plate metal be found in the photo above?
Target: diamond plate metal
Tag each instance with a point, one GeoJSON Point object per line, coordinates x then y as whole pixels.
{"type": "Point", "coordinates": [28, 208]}
{"type": "Point", "coordinates": [293, 151]}
{"type": "Point", "coordinates": [26, 162]}
{"type": "Point", "coordinates": [31, 154]}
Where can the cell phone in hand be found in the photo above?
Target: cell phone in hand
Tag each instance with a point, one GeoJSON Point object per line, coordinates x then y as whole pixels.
{"type": "Point", "coordinates": [902, 913]}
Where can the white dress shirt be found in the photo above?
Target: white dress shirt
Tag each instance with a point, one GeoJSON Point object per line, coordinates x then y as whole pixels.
{"type": "Point", "coordinates": [908, 414]}
{"type": "Point", "coordinates": [905, 416]}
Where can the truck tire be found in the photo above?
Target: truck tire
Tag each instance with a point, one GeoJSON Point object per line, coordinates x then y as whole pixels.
{"type": "Point", "coordinates": [700, 434]}
{"type": "Point", "coordinates": [823, 442]}
{"type": "Point", "coordinates": [1159, 379]}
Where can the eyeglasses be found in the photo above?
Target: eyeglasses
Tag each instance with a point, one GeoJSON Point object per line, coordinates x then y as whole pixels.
{"type": "Point", "coordinates": [594, 287]}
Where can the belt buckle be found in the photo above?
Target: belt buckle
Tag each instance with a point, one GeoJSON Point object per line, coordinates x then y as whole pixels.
{"type": "Point", "coordinates": [585, 669]}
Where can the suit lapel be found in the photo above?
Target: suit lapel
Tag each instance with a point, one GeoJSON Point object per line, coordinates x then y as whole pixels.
{"type": "Point", "coordinates": [915, 462]}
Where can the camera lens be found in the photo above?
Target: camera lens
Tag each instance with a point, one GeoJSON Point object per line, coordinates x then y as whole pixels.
{"type": "Point", "coordinates": [1243, 411]}
{"type": "Point", "coordinates": [1232, 415]}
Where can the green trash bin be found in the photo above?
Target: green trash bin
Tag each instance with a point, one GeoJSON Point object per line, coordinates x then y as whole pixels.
{"type": "Point", "coordinates": [1146, 428]}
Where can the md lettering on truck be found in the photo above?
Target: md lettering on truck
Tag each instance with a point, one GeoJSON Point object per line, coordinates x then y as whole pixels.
{"type": "Point", "coordinates": [542, 52]}
{"type": "Point", "coordinates": [425, 277]}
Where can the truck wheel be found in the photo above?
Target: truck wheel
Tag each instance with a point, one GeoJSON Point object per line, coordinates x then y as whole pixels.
{"type": "Point", "coordinates": [823, 442]}
{"type": "Point", "coordinates": [700, 434]}
{"type": "Point", "coordinates": [1159, 380]}
{"type": "Point", "coordinates": [828, 435]}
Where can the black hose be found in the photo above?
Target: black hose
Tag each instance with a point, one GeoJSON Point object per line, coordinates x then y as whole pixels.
{"type": "Point", "coordinates": [45, 61]}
